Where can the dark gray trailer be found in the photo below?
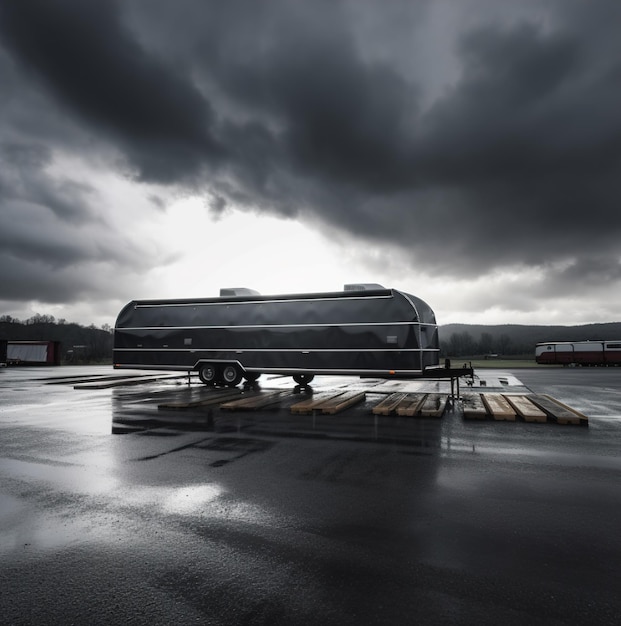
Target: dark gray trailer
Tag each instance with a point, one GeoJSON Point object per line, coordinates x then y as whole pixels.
{"type": "Point", "coordinates": [365, 330]}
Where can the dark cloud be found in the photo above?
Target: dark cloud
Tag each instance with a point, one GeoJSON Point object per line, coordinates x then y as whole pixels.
{"type": "Point", "coordinates": [53, 231]}
{"type": "Point", "coordinates": [92, 64]}
{"type": "Point", "coordinates": [483, 135]}
{"type": "Point", "coordinates": [516, 159]}
{"type": "Point", "coordinates": [22, 177]}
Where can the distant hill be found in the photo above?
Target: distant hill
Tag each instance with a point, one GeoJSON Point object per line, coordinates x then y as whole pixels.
{"type": "Point", "coordinates": [471, 339]}
{"type": "Point", "coordinates": [91, 344]}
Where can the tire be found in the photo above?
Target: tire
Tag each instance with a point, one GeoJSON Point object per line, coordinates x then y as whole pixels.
{"type": "Point", "coordinates": [208, 373]}
{"type": "Point", "coordinates": [303, 379]}
{"type": "Point", "coordinates": [252, 377]}
{"type": "Point", "coordinates": [231, 375]}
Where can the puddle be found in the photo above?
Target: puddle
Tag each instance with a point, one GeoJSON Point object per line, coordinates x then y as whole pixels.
{"type": "Point", "coordinates": [65, 476]}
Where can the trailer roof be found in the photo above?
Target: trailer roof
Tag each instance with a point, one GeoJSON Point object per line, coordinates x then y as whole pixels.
{"type": "Point", "coordinates": [366, 293]}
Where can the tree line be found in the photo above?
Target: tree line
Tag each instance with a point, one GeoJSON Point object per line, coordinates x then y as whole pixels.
{"type": "Point", "coordinates": [464, 344]}
{"type": "Point", "coordinates": [89, 344]}
{"type": "Point", "coordinates": [476, 340]}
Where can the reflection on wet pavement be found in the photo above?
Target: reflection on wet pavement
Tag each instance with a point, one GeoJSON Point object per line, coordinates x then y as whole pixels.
{"type": "Point", "coordinates": [198, 515]}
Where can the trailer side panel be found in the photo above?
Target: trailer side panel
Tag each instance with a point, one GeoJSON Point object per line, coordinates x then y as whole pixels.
{"type": "Point", "coordinates": [378, 332]}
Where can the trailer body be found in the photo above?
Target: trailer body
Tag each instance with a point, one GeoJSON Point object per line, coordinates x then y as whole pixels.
{"type": "Point", "coordinates": [366, 331]}
{"type": "Point", "coordinates": [579, 353]}
{"type": "Point", "coordinates": [33, 352]}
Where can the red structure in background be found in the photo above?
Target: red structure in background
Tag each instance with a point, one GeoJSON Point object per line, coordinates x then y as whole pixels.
{"type": "Point", "coordinates": [31, 352]}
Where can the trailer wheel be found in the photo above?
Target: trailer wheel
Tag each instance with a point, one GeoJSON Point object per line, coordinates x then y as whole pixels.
{"type": "Point", "coordinates": [303, 379]}
{"type": "Point", "coordinates": [208, 374]}
{"type": "Point", "coordinates": [231, 375]}
{"type": "Point", "coordinates": [252, 377]}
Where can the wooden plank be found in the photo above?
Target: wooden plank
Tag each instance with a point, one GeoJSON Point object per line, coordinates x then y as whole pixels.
{"type": "Point", "coordinates": [342, 402]}
{"type": "Point", "coordinates": [498, 407]}
{"type": "Point", "coordinates": [213, 397]}
{"type": "Point", "coordinates": [132, 380]}
{"type": "Point", "coordinates": [528, 411]}
{"type": "Point", "coordinates": [412, 405]}
{"type": "Point", "coordinates": [389, 405]}
{"type": "Point", "coordinates": [311, 404]}
{"type": "Point", "coordinates": [473, 407]}
{"type": "Point", "coordinates": [325, 400]}
{"type": "Point", "coordinates": [245, 401]}
{"type": "Point", "coordinates": [255, 402]}
{"type": "Point", "coordinates": [74, 380]}
{"type": "Point", "coordinates": [583, 419]}
{"type": "Point", "coordinates": [558, 411]}
{"type": "Point", "coordinates": [434, 405]}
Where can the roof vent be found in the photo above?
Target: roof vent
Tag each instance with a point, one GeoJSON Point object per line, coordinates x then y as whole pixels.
{"type": "Point", "coordinates": [363, 287]}
{"type": "Point", "coordinates": [238, 291]}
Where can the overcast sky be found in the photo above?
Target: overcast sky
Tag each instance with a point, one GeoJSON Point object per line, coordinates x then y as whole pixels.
{"type": "Point", "coordinates": [465, 151]}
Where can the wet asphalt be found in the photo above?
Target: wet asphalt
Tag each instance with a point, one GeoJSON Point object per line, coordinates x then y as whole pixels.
{"type": "Point", "coordinates": [199, 516]}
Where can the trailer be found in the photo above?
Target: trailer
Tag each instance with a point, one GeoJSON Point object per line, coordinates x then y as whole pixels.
{"type": "Point", "coordinates": [365, 330]}
{"type": "Point", "coordinates": [33, 352]}
{"type": "Point", "coordinates": [579, 353]}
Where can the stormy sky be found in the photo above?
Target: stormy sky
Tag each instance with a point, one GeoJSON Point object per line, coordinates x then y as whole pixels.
{"type": "Point", "coordinates": [466, 151]}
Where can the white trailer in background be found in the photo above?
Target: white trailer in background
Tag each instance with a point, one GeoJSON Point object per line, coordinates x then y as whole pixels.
{"type": "Point", "coordinates": [579, 353]}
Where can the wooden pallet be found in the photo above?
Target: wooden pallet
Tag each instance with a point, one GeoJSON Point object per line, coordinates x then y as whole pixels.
{"type": "Point", "coordinates": [306, 407]}
{"type": "Point", "coordinates": [213, 398]}
{"type": "Point", "coordinates": [389, 404]}
{"type": "Point", "coordinates": [498, 407]}
{"type": "Point", "coordinates": [529, 407]}
{"type": "Point", "coordinates": [254, 402]}
{"type": "Point", "coordinates": [528, 411]}
{"type": "Point", "coordinates": [336, 405]}
{"type": "Point", "coordinates": [433, 405]}
{"type": "Point", "coordinates": [474, 409]}
{"type": "Point", "coordinates": [412, 405]}
{"type": "Point", "coordinates": [559, 412]}
{"type": "Point", "coordinates": [330, 404]}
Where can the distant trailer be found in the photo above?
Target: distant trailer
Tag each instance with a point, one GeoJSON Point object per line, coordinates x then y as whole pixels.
{"type": "Point", "coordinates": [579, 353]}
{"type": "Point", "coordinates": [33, 353]}
{"type": "Point", "coordinates": [365, 330]}
{"type": "Point", "coordinates": [3, 346]}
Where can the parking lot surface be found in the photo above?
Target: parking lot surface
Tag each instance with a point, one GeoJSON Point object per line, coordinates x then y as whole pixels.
{"type": "Point", "coordinates": [200, 515]}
